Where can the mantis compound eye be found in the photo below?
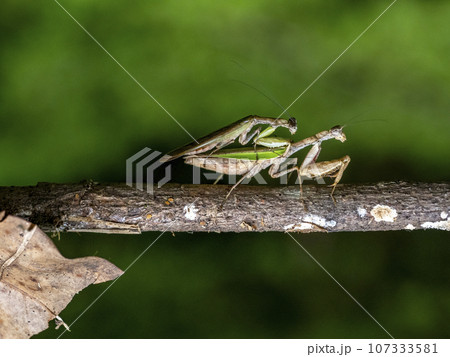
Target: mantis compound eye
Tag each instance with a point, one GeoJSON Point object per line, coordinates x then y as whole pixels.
{"type": "Point", "coordinates": [292, 125]}
{"type": "Point", "coordinates": [337, 133]}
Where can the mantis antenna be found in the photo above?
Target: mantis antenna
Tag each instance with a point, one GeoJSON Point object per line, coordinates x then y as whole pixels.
{"type": "Point", "coordinates": [273, 100]}
{"type": "Point", "coordinates": [263, 92]}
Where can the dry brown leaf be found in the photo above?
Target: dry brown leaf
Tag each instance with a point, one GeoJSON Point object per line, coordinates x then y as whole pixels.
{"type": "Point", "coordinates": [36, 281]}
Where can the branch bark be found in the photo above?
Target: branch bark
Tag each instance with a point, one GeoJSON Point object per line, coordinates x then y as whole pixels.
{"type": "Point", "coordinates": [117, 208]}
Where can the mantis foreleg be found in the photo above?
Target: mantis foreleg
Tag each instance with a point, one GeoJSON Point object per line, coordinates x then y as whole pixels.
{"type": "Point", "coordinates": [333, 168]}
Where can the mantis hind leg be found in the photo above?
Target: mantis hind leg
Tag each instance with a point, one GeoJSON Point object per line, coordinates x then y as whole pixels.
{"type": "Point", "coordinates": [218, 179]}
{"type": "Point", "coordinates": [250, 173]}
{"type": "Point", "coordinates": [234, 186]}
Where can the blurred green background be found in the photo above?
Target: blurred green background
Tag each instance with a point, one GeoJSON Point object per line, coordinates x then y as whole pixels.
{"type": "Point", "coordinates": [68, 112]}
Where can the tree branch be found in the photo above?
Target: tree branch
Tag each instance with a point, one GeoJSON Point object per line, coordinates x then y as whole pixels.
{"type": "Point", "coordinates": [117, 208]}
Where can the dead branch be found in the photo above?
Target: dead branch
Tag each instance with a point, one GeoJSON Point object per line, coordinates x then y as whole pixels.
{"type": "Point", "coordinates": [117, 208]}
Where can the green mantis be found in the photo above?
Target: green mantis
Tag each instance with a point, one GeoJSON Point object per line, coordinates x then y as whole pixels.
{"type": "Point", "coordinates": [227, 135]}
{"type": "Point", "coordinates": [267, 152]}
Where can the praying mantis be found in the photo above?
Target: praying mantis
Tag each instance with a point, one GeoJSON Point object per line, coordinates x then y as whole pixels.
{"type": "Point", "coordinates": [268, 152]}
{"type": "Point", "coordinates": [271, 154]}
{"type": "Point", "coordinates": [227, 135]}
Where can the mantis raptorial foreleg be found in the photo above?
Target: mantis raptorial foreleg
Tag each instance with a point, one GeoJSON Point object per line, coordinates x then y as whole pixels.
{"type": "Point", "coordinates": [243, 139]}
{"type": "Point", "coordinates": [342, 164]}
{"type": "Point", "coordinates": [307, 164]}
{"type": "Point", "coordinates": [333, 168]}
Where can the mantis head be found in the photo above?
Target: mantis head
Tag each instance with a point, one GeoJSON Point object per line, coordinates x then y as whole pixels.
{"type": "Point", "coordinates": [336, 132]}
{"type": "Point", "coordinates": [292, 125]}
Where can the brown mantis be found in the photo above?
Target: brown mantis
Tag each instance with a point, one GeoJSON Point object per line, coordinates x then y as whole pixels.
{"type": "Point", "coordinates": [250, 161]}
